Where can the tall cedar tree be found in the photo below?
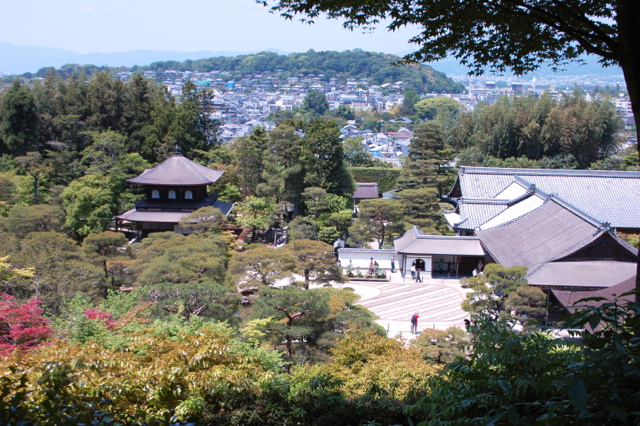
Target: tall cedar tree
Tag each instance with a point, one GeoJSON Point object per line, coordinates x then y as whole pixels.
{"type": "Point", "coordinates": [283, 171]}
{"type": "Point", "coordinates": [324, 162]}
{"type": "Point", "coordinates": [425, 162]}
{"type": "Point", "coordinates": [249, 153]}
{"type": "Point", "coordinates": [18, 121]}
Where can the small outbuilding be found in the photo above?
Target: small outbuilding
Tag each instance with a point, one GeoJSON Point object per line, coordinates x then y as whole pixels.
{"type": "Point", "coordinates": [366, 191]}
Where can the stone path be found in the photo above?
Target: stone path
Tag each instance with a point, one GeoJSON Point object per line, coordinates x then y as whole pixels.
{"type": "Point", "coordinates": [437, 302]}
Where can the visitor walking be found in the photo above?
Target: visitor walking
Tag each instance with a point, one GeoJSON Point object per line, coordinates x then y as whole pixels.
{"type": "Point", "coordinates": [441, 266]}
{"type": "Point", "coordinates": [393, 264]}
{"type": "Point", "coordinates": [413, 270]}
{"type": "Point", "coordinates": [414, 322]}
{"type": "Point", "coordinates": [418, 279]}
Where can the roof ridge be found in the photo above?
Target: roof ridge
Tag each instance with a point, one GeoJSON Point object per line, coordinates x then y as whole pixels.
{"type": "Point", "coordinates": [483, 201]}
{"type": "Point", "coordinates": [550, 172]}
{"type": "Point", "coordinates": [575, 210]}
{"type": "Point", "coordinates": [509, 222]}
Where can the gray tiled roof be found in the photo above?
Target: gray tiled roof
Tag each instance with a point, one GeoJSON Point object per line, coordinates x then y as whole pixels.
{"type": "Point", "coordinates": [363, 250]}
{"type": "Point", "coordinates": [569, 298]}
{"type": "Point", "coordinates": [178, 170]}
{"type": "Point", "coordinates": [415, 242]}
{"type": "Point", "coordinates": [224, 207]}
{"type": "Point", "coordinates": [594, 273]}
{"type": "Point", "coordinates": [366, 191]}
{"type": "Point", "coordinates": [553, 231]}
{"type": "Point", "coordinates": [172, 215]}
{"type": "Point", "coordinates": [609, 196]}
{"type": "Point", "coordinates": [475, 212]}
{"type": "Point", "coordinates": [153, 216]}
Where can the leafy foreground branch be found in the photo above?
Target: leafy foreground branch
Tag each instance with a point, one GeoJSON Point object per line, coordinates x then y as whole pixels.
{"type": "Point", "coordinates": [208, 374]}
{"type": "Point", "coordinates": [536, 379]}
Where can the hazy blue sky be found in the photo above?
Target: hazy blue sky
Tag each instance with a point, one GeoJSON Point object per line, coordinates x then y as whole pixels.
{"type": "Point", "coordinates": [186, 25]}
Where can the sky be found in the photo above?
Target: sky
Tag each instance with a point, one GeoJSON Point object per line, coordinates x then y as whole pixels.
{"type": "Point", "coordinates": [91, 26]}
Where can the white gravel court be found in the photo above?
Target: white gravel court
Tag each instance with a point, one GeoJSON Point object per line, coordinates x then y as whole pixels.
{"type": "Point", "coordinates": [438, 301]}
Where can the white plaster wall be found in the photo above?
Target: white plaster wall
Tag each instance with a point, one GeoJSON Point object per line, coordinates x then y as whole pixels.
{"type": "Point", "coordinates": [362, 260]}
{"type": "Point", "coordinates": [408, 260]}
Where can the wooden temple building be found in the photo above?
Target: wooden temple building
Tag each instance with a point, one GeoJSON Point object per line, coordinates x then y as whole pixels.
{"type": "Point", "coordinates": [174, 189]}
{"type": "Point", "coordinates": [561, 224]}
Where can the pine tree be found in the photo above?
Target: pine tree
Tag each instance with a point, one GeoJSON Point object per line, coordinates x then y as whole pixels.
{"type": "Point", "coordinates": [425, 165]}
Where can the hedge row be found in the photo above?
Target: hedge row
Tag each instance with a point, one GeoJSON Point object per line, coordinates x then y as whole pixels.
{"type": "Point", "coordinates": [386, 178]}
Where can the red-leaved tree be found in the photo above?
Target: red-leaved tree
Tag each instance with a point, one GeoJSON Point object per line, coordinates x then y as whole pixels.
{"type": "Point", "coordinates": [22, 326]}
{"type": "Point", "coordinates": [97, 314]}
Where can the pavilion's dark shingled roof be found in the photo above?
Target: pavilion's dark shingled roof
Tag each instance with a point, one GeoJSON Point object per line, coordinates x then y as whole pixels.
{"type": "Point", "coordinates": [178, 170]}
{"type": "Point", "coordinates": [366, 191]}
{"type": "Point", "coordinates": [223, 206]}
{"type": "Point", "coordinates": [609, 196]}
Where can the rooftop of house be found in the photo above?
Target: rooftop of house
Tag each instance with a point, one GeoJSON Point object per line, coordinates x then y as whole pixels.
{"type": "Point", "coordinates": [177, 170]}
{"type": "Point", "coordinates": [172, 215]}
{"type": "Point", "coordinates": [608, 196]}
{"type": "Point", "coordinates": [549, 233]}
{"type": "Point", "coordinates": [415, 241]}
{"type": "Point", "coordinates": [569, 298]}
{"type": "Point", "coordinates": [366, 190]}
{"type": "Point", "coordinates": [589, 273]}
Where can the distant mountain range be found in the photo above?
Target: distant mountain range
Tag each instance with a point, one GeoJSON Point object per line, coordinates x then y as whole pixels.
{"type": "Point", "coordinates": [21, 59]}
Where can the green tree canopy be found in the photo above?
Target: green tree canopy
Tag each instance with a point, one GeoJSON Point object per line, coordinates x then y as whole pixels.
{"type": "Point", "coordinates": [255, 213]}
{"type": "Point", "coordinates": [421, 207]}
{"type": "Point", "coordinates": [315, 261]}
{"type": "Point", "coordinates": [380, 219]}
{"type": "Point", "coordinates": [295, 314]}
{"type": "Point", "coordinates": [168, 257]}
{"type": "Point", "coordinates": [205, 219]}
{"type": "Point", "coordinates": [428, 108]}
{"type": "Point", "coordinates": [61, 270]}
{"type": "Point", "coordinates": [492, 288]}
{"type": "Point", "coordinates": [316, 102]}
{"type": "Point", "coordinates": [18, 120]}
{"type": "Point", "coordinates": [91, 202]}
{"type": "Point", "coordinates": [21, 220]}
{"type": "Point", "coordinates": [261, 265]}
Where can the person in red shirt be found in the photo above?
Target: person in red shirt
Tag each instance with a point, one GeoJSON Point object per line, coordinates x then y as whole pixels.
{"type": "Point", "coordinates": [414, 322]}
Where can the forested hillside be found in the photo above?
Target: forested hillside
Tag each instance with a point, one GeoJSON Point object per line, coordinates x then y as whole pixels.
{"type": "Point", "coordinates": [375, 68]}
